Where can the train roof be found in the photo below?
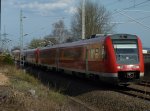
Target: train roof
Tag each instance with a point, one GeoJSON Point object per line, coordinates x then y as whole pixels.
{"type": "Point", "coordinates": [114, 36]}
{"type": "Point", "coordinates": [29, 50]}
{"type": "Point", "coordinates": [93, 38]}
{"type": "Point", "coordinates": [15, 51]}
{"type": "Point", "coordinates": [76, 43]}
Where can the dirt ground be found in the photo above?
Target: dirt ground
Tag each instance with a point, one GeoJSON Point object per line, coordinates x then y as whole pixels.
{"type": "Point", "coordinates": [4, 81]}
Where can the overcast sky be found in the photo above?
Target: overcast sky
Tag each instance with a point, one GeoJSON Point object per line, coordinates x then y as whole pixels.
{"type": "Point", "coordinates": [41, 14]}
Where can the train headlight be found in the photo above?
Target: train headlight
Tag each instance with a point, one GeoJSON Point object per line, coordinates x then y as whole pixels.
{"type": "Point", "coordinates": [135, 67]}
{"type": "Point", "coordinates": [120, 67]}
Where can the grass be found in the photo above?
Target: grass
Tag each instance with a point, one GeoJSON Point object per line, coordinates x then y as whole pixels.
{"type": "Point", "coordinates": [29, 94]}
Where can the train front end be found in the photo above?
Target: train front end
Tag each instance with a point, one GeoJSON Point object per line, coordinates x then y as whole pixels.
{"type": "Point", "coordinates": [128, 63]}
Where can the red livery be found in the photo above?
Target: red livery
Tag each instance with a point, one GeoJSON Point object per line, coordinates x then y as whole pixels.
{"type": "Point", "coordinates": [114, 58]}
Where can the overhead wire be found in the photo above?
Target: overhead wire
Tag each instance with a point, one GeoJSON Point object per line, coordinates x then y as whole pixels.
{"type": "Point", "coordinates": [47, 26]}
{"type": "Point", "coordinates": [135, 5]}
{"type": "Point", "coordinates": [131, 21]}
{"type": "Point", "coordinates": [143, 11]}
{"type": "Point", "coordinates": [134, 20]}
{"type": "Point", "coordinates": [131, 18]}
{"type": "Point", "coordinates": [42, 29]}
{"type": "Point", "coordinates": [142, 18]}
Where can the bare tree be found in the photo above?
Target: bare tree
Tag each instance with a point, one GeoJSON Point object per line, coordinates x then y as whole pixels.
{"type": "Point", "coordinates": [97, 20]}
{"type": "Point", "coordinates": [58, 28]}
{"type": "Point", "coordinates": [58, 36]}
{"type": "Point", "coordinates": [59, 31]}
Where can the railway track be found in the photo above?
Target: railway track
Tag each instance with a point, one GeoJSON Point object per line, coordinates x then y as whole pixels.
{"type": "Point", "coordinates": [130, 91]}
{"type": "Point", "coordinates": [77, 87]}
{"type": "Point", "coordinates": [145, 83]}
{"type": "Point", "coordinates": [134, 92]}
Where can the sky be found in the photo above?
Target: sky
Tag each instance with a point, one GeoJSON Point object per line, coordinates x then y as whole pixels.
{"type": "Point", "coordinates": [129, 16]}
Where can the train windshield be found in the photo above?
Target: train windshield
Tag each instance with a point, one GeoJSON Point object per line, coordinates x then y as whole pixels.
{"type": "Point", "coordinates": [126, 51]}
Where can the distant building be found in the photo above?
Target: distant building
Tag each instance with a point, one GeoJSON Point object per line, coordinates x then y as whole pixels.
{"type": "Point", "coordinates": [146, 50]}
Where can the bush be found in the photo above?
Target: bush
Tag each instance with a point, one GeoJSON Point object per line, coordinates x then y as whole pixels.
{"type": "Point", "coordinates": [6, 59]}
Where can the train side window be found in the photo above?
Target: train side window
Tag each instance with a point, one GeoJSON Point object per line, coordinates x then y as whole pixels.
{"type": "Point", "coordinates": [97, 53]}
{"type": "Point", "coordinates": [103, 53]}
{"type": "Point", "coordinates": [92, 53]}
{"type": "Point", "coordinates": [97, 50]}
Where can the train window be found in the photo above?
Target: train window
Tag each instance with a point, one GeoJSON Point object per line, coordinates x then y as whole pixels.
{"type": "Point", "coordinates": [126, 51]}
{"type": "Point", "coordinates": [103, 52]}
{"type": "Point", "coordinates": [95, 53]}
{"type": "Point", "coordinates": [45, 54]}
{"type": "Point", "coordinates": [73, 53]}
{"type": "Point", "coordinates": [97, 50]}
{"type": "Point", "coordinates": [92, 53]}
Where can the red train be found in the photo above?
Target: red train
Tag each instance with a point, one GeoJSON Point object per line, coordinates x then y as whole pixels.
{"type": "Point", "coordinates": [114, 58]}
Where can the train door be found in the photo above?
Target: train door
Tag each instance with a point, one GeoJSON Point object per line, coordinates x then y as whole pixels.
{"type": "Point", "coordinates": [86, 60]}
{"type": "Point", "coordinates": [57, 58]}
{"type": "Point", "coordinates": [37, 56]}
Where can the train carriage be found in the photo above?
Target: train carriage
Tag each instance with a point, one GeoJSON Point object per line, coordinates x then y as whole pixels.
{"type": "Point", "coordinates": [114, 58]}
{"type": "Point", "coordinates": [48, 57]}
{"type": "Point", "coordinates": [31, 56]}
{"type": "Point", "coordinates": [127, 57]}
